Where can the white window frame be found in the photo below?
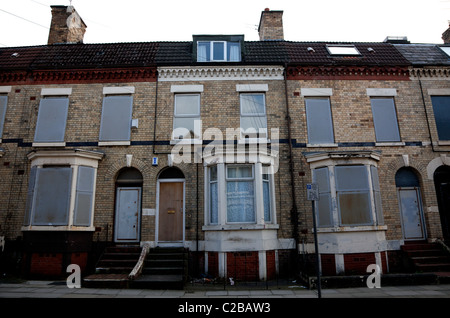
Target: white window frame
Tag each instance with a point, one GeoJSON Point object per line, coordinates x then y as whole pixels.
{"type": "Point", "coordinates": [257, 179]}
{"type": "Point", "coordinates": [211, 51]}
{"type": "Point", "coordinates": [263, 116]}
{"type": "Point", "coordinates": [195, 117]}
{"type": "Point", "coordinates": [367, 159]}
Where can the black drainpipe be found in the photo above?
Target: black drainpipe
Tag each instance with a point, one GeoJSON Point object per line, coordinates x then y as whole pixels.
{"type": "Point", "coordinates": [294, 211]}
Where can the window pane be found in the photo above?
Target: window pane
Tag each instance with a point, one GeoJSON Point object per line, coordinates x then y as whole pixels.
{"type": "Point", "coordinates": [322, 179]}
{"type": "Point", "coordinates": [234, 52]}
{"type": "Point", "coordinates": [385, 119]}
{"type": "Point", "coordinates": [218, 51]}
{"type": "Point", "coordinates": [116, 118]}
{"type": "Point", "coordinates": [342, 50]}
{"type": "Point", "coordinates": [52, 198]}
{"type": "Point", "coordinates": [319, 121]}
{"type": "Point", "coordinates": [441, 109]}
{"type": "Point", "coordinates": [354, 208]}
{"type": "Point", "coordinates": [3, 103]}
{"type": "Point", "coordinates": [213, 203]}
{"type": "Point", "coordinates": [213, 173]}
{"type": "Point", "coordinates": [324, 210]}
{"type": "Point", "coordinates": [266, 198]}
{"type": "Point", "coordinates": [30, 193]}
{"type": "Point", "coordinates": [187, 105]}
{"type": "Point", "coordinates": [84, 194]}
{"type": "Point", "coordinates": [240, 172]}
{"type": "Point", "coordinates": [51, 122]}
{"type": "Point", "coordinates": [377, 195]}
{"type": "Point", "coordinates": [351, 178]}
{"type": "Point", "coordinates": [240, 201]}
{"type": "Point", "coordinates": [253, 104]}
{"type": "Point", "coordinates": [203, 51]}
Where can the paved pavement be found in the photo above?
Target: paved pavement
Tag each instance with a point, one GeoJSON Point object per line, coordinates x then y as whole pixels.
{"type": "Point", "coordinates": [51, 289]}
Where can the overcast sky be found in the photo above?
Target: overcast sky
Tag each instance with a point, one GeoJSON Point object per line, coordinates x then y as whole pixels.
{"type": "Point", "coordinates": [26, 22]}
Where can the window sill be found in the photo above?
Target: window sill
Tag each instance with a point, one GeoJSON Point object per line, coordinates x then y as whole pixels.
{"type": "Point", "coordinates": [444, 143]}
{"type": "Point", "coordinates": [389, 144]}
{"type": "Point", "coordinates": [186, 142]}
{"type": "Point", "coordinates": [240, 227]}
{"type": "Point", "coordinates": [363, 228]}
{"type": "Point", "coordinates": [322, 145]}
{"type": "Point", "coordinates": [114, 143]}
{"type": "Point", "coordinates": [49, 144]}
{"type": "Point", "coordinates": [58, 228]}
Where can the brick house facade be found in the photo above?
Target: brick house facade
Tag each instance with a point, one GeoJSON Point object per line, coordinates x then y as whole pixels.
{"type": "Point", "coordinates": [100, 145]}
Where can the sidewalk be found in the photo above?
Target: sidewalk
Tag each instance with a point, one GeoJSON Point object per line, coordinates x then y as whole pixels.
{"type": "Point", "coordinates": [51, 289]}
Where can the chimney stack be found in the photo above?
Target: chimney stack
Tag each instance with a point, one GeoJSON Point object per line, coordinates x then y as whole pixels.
{"type": "Point", "coordinates": [446, 35]}
{"type": "Point", "coordinates": [66, 26]}
{"type": "Point", "coordinates": [271, 25]}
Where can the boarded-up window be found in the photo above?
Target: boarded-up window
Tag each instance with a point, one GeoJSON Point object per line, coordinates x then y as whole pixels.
{"type": "Point", "coordinates": [213, 196]}
{"type": "Point", "coordinates": [353, 196]}
{"type": "Point", "coordinates": [83, 199]}
{"type": "Point", "coordinates": [319, 121]}
{"type": "Point", "coordinates": [385, 120]}
{"type": "Point", "coordinates": [441, 109]}
{"type": "Point", "coordinates": [51, 121]}
{"type": "Point", "coordinates": [30, 195]}
{"type": "Point", "coordinates": [3, 103]}
{"type": "Point", "coordinates": [324, 215]}
{"type": "Point", "coordinates": [116, 118]}
{"type": "Point", "coordinates": [52, 196]}
{"type": "Point", "coordinates": [377, 195]}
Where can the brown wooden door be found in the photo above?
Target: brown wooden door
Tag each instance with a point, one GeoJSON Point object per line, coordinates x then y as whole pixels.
{"type": "Point", "coordinates": [171, 212]}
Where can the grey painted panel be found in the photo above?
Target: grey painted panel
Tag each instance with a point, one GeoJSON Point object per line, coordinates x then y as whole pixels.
{"type": "Point", "coordinates": [116, 118]}
{"type": "Point", "coordinates": [51, 122]}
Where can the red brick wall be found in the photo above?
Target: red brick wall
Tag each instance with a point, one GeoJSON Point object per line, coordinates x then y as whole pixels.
{"type": "Point", "coordinates": [80, 259]}
{"type": "Point", "coordinates": [243, 266]}
{"type": "Point", "coordinates": [46, 264]}
{"type": "Point", "coordinates": [357, 263]}
{"type": "Point", "coordinates": [270, 265]}
{"type": "Point", "coordinates": [328, 263]}
{"type": "Point", "coordinates": [213, 264]}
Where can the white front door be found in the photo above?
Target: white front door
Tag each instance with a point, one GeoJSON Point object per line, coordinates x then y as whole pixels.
{"type": "Point", "coordinates": [128, 214]}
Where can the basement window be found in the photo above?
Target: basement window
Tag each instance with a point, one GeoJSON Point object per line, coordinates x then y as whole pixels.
{"type": "Point", "coordinates": [343, 50]}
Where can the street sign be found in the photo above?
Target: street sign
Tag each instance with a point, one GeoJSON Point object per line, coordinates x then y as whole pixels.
{"type": "Point", "coordinates": [312, 191]}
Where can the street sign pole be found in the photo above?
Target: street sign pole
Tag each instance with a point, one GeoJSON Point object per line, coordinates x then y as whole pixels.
{"type": "Point", "coordinates": [313, 195]}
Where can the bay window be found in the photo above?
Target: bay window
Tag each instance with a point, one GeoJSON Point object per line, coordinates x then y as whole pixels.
{"type": "Point", "coordinates": [61, 190]}
{"type": "Point", "coordinates": [239, 194]}
{"type": "Point", "coordinates": [349, 192]}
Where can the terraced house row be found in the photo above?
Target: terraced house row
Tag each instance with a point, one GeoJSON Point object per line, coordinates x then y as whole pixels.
{"type": "Point", "coordinates": [209, 145]}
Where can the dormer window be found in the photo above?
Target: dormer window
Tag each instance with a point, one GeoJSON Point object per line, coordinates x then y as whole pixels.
{"type": "Point", "coordinates": [218, 48]}
{"type": "Point", "coordinates": [343, 50]}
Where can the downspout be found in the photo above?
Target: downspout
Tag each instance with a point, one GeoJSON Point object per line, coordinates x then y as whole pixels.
{"type": "Point", "coordinates": [294, 211]}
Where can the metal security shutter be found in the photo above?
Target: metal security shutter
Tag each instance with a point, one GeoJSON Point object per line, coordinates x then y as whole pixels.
{"type": "Point", "coordinates": [30, 194]}
{"type": "Point", "coordinates": [3, 103]}
{"type": "Point", "coordinates": [441, 109]}
{"type": "Point", "coordinates": [385, 120]}
{"type": "Point", "coordinates": [84, 196]}
{"type": "Point", "coordinates": [52, 196]}
{"type": "Point", "coordinates": [116, 118]}
{"type": "Point", "coordinates": [319, 121]}
{"type": "Point", "coordinates": [51, 122]}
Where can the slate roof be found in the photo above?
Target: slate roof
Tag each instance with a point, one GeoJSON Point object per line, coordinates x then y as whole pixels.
{"type": "Point", "coordinates": [117, 55]}
{"type": "Point", "coordinates": [423, 54]}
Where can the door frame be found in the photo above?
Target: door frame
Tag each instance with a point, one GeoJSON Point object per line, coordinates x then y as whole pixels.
{"type": "Point", "coordinates": [168, 243]}
{"type": "Point", "coordinates": [421, 214]}
{"type": "Point", "coordinates": [116, 222]}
